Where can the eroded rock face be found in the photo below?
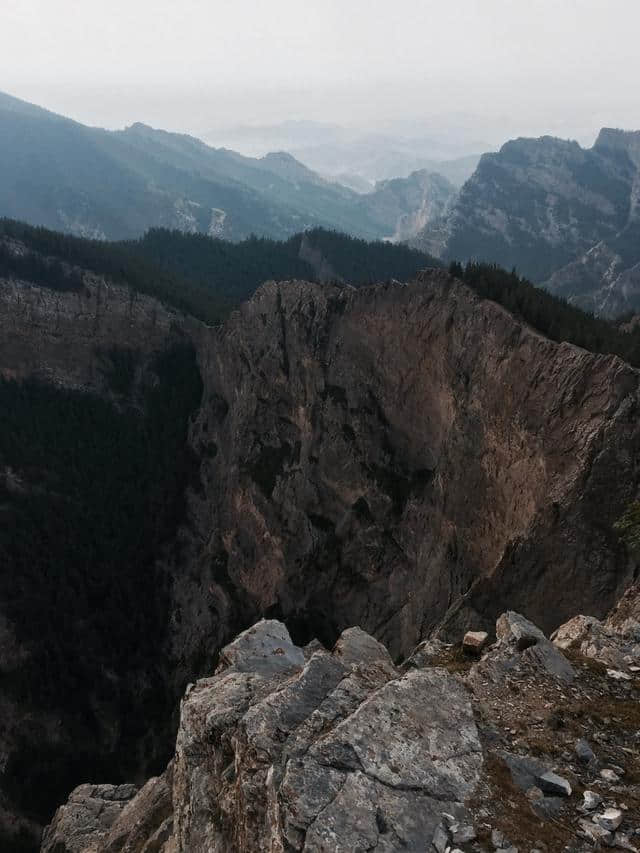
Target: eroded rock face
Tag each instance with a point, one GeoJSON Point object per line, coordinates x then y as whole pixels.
{"type": "Point", "coordinates": [476, 467]}
{"type": "Point", "coordinates": [83, 823]}
{"type": "Point", "coordinates": [285, 749]}
{"type": "Point", "coordinates": [341, 752]}
{"type": "Point", "coordinates": [614, 642]}
{"type": "Point", "coordinates": [65, 338]}
{"type": "Point", "coordinates": [347, 479]}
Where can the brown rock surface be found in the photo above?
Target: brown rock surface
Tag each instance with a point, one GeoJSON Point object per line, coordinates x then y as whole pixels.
{"type": "Point", "coordinates": [390, 455]}
{"type": "Point", "coordinates": [410, 459]}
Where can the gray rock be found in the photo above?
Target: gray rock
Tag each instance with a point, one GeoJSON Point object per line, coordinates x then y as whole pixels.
{"type": "Point", "coordinates": [584, 751]}
{"type": "Point", "coordinates": [498, 839]}
{"type": "Point", "coordinates": [517, 633]}
{"type": "Point", "coordinates": [609, 775]}
{"type": "Point", "coordinates": [264, 648]}
{"type": "Point", "coordinates": [610, 819]}
{"type": "Point", "coordinates": [595, 832]}
{"type": "Point", "coordinates": [356, 647]}
{"type": "Point", "coordinates": [149, 811]}
{"type": "Point", "coordinates": [623, 842]}
{"type": "Point", "coordinates": [591, 800]}
{"type": "Point", "coordinates": [329, 756]}
{"type": "Point", "coordinates": [514, 629]}
{"type": "Point", "coordinates": [524, 770]}
{"type": "Point", "coordinates": [617, 675]}
{"type": "Point", "coordinates": [551, 783]}
{"type": "Point", "coordinates": [462, 834]}
{"type": "Point", "coordinates": [440, 839]}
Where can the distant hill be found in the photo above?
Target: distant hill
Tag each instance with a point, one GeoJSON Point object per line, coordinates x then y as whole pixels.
{"type": "Point", "coordinates": [564, 216]}
{"type": "Point", "coordinates": [353, 156]}
{"type": "Point", "coordinates": [117, 184]}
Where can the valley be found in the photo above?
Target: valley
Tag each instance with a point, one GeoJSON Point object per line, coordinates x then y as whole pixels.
{"type": "Point", "coordinates": [289, 463]}
{"type": "Point", "coordinates": [319, 427]}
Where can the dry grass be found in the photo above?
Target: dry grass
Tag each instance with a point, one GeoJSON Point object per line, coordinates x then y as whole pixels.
{"type": "Point", "coordinates": [511, 811]}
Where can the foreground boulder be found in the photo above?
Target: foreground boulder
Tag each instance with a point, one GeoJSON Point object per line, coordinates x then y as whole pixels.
{"type": "Point", "coordinates": [614, 642]}
{"type": "Point", "coordinates": [339, 751]}
{"type": "Point", "coordinates": [300, 749]}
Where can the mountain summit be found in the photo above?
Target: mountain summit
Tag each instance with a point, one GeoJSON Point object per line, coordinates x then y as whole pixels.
{"type": "Point", "coordinates": [117, 184]}
{"type": "Point", "coordinates": [562, 215]}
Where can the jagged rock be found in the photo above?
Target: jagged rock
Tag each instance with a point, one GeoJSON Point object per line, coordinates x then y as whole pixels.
{"type": "Point", "coordinates": [146, 821]}
{"type": "Point", "coordinates": [595, 832]}
{"type": "Point", "coordinates": [497, 839]}
{"type": "Point", "coordinates": [265, 648]}
{"type": "Point", "coordinates": [328, 755]}
{"type": "Point", "coordinates": [440, 839]}
{"type": "Point", "coordinates": [610, 819]}
{"type": "Point", "coordinates": [427, 653]}
{"type": "Point", "coordinates": [614, 642]}
{"type": "Point", "coordinates": [82, 825]}
{"type": "Point", "coordinates": [551, 783]}
{"type": "Point", "coordinates": [591, 800]}
{"type": "Point", "coordinates": [475, 641]}
{"type": "Point", "coordinates": [622, 841]}
{"type": "Point", "coordinates": [617, 675]}
{"type": "Point", "coordinates": [609, 775]}
{"type": "Point", "coordinates": [462, 834]}
{"type": "Point", "coordinates": [517, 633]}
{"type": "Point", "coordinates": [524, 771]}
{"type": "Point", "coordinates": [515, 630]}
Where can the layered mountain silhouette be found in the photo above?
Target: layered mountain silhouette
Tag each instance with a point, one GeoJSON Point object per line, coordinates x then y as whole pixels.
{"type": "Point", "coordinates": [116, 184]}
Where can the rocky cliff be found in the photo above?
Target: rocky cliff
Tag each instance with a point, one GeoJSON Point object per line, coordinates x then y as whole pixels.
{"type": "Point", "coordinates": [474, 466]}
{"type": "Point", "coordinates": [408, 458]}
{"type": "Point", "coordinates": [462, 747]}
{"type": "Point", "coordinates": [562, 215]}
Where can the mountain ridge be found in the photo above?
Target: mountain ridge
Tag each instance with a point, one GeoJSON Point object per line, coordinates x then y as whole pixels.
{"type": "Point", "coordinates": [566, 217]}
{"type": "Point", "coordinates": [116, 184]}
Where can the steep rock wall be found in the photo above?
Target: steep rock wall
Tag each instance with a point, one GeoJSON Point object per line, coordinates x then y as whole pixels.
{"type": "Point", "coordinates": [388, 456]}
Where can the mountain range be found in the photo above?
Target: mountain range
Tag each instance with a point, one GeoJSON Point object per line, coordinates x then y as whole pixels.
{"type": "Point", "coordinates": [360, 158]}
{"type": "Point", "coordinates": [412, 456]}
{"type": "Point", "coordinates": [566, 217]}
{"type": "Point", "coordinates": [116, 184]}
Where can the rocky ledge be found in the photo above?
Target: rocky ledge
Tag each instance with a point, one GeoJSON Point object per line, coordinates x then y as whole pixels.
{"type": "Point", "coordinates": [522, 745]}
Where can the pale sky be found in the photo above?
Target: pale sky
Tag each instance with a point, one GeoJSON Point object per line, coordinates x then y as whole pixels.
{"type": "Point", "coordinates": [531, 66]}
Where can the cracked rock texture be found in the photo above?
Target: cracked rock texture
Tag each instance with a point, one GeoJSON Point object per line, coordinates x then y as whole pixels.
{"type": "Point", "coordinates": [290, 749]}
{"type": "Point", "coordinates": [408, 458]}
{"type": "Point", "coordinates": [340, 752]}
{"type": "Point", "coordinates": [406, 487]}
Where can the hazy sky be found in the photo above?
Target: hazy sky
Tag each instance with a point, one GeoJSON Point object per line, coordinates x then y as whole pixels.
{"type": "Point", "coordinates": [531, 66]}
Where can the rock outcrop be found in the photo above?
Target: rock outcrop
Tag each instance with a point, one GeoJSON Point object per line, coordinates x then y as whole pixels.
{"type": "Point", "coordinates": [344, 479]}
{"type": "Point", "coordinates": [67, 338]}
{"type": "Point", "coordinates": [302, 749]}
{"type": "Point", "coordinates": [477, 467]}
{"type": "Point", "coordinates": [560, 214]}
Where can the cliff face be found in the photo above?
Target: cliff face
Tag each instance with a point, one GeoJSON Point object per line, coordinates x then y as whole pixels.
{"type": "Point", "coordinates": [560, 214]}
{"type": "Point", "coordinates": [384, 455]}
{"type": "Point", "coordinates": [66, 337]}
{"type": "Point", "coordinates": [405, 457]}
